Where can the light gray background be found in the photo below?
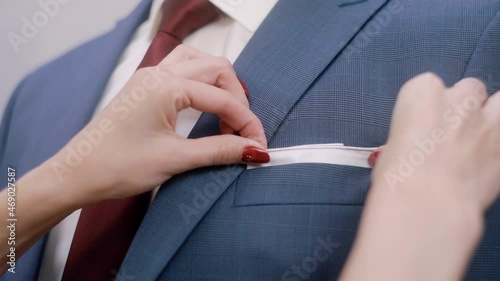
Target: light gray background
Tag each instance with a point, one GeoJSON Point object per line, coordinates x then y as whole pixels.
{"type": "Point", "coordinates": [76, 22]}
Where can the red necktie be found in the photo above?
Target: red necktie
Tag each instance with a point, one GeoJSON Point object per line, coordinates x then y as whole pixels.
{"type": "Point", "coordinates": [106, 230]}
{"type": "Point", "coordinates": [180, 18]}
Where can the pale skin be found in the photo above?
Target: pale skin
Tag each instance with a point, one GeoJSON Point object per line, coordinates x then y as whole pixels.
{"type": "Point", "coordinates": [143, 150]}
{"type": "Point", "coordinates": [408, 231]}
{"type": "Point", "coordinates": [427, 226]}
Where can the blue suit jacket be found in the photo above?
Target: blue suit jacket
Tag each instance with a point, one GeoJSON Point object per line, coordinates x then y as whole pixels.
{"type": "Point", "coordinates": [319, 72]}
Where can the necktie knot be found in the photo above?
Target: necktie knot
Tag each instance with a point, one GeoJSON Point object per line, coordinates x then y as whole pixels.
{"type": "Point", "coordinates": [179, 19]}
{"type": "Point", "coordinates": [182, 17]}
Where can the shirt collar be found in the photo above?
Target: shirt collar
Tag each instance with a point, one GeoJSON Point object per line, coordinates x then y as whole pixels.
{"type": "Point", "coordinates": [249, 13]}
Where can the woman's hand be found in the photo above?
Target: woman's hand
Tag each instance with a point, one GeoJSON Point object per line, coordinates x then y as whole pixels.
{"type": "Point", "coordinates": [131, 146]}
{"type": "Point", "coordinates": [432, 184]}
{"type": "Point", "coordinates": [445, 141]}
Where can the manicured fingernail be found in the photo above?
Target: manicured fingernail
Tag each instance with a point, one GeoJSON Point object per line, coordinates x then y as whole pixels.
{"type": "Point", "coordinates": [255, 155]}
{"type": "Point", "coordinates": [372, 159]}
{"type": "Point", "coordinates": [244, 88]}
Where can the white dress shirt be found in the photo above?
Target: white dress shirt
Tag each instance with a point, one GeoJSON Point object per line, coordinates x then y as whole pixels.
{"type": "Point", "coordinates": [227, 36]}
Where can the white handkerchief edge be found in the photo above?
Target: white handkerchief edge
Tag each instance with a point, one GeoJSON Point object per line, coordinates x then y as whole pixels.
{"type": "Point", "coordinates": [335, 153]}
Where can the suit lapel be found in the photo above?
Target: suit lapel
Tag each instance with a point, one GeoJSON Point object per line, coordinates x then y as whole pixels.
{"type": "Point", "coordinates": [55, 103]}
{"type": "Point", "coordinates": [295, 43]}
{"type": "Point", "coordinates": [293, 47]}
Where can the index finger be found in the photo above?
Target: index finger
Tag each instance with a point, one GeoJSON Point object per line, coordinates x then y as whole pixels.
{"type": "Point", "coordinates": [214, 100]}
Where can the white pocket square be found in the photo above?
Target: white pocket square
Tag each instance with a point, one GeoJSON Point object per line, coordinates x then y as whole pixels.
{"type": "Point", "coordinates": [331, 153]}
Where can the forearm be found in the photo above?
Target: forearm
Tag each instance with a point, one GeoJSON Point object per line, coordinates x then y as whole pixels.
{"type": "Point", "coordinates": [400, 239]}
{"type": "Point", "coordinates": [41, 201]}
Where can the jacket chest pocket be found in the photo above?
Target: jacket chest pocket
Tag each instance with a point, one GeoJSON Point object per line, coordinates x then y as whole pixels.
{"type": "Point", "coordinates": [302, 184]}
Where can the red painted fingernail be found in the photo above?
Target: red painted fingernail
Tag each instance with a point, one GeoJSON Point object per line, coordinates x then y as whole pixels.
{"type": "Point", "coordinates": [255, 155]}
{"type": "Point", "coordinates": [244, 88]}
{"type": "Point", "coordinates": [372, 159]}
